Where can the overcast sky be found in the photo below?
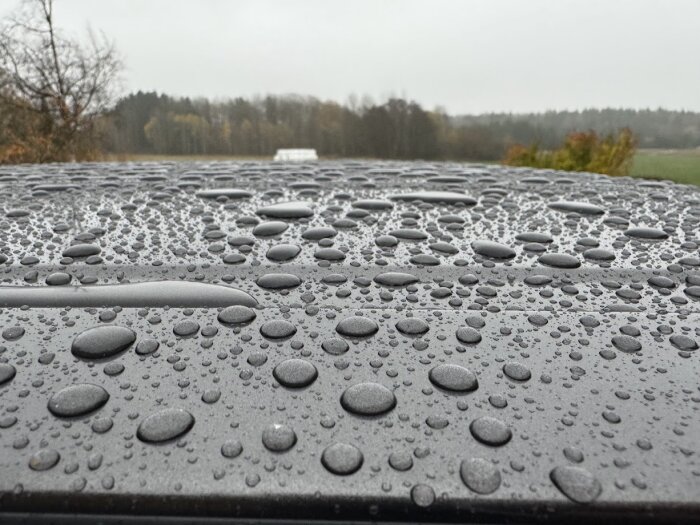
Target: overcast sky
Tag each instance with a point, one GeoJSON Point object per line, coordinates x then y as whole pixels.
{"type": "Point", "coordinates": [467, 56]}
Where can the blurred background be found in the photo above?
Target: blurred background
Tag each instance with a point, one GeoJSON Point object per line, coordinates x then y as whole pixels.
{"type": "Point", "coordinates": [610, 87]}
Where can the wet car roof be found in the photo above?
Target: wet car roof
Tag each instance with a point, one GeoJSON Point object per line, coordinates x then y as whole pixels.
{"type": "Point", "coordinates": [348, 341]}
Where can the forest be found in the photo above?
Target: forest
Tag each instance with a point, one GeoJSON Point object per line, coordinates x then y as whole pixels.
{"type": "Point", "coordinates": [151, 123]}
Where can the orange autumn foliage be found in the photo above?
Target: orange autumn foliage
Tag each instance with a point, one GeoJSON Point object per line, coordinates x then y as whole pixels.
{"type": "Point", "coordinates": [581, 151]}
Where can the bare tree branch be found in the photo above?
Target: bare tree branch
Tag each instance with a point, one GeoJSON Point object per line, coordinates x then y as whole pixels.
{"type": "Point", "coordinates": [68, 82]}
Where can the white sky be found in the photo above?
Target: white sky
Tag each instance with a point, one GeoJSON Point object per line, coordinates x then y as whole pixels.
{"type": "Point", "coordinates": [467, 56]}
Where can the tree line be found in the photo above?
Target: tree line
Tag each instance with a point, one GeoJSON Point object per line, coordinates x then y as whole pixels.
{"type": "Point", "coordinates": [146, 122]}
{"type": "Point", "coordinates": [654, 128]}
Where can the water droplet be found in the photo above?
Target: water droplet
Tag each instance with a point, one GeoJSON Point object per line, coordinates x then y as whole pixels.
{"type": "Point", "coordinates": [582, 208]}
{"type": "Point", "coordinates": [626, 343]}
{"type": "Point", "coordinates": [516, 371]}
{"type": "Point", "coordinates": [480, 475]}
{"type": "Point", "coordinates": [236, 315]}
{"type": "Point", "coordinates": [287, 210]}
{"type": "Point", "coordinates": [368, 399]}
{"type": "Point", "coordinates": [211, 396]}
{"type": "Point", "coordinates": [278, 329]}
{"type": "Point", "coordinates": [468, 335]}
{"type": "Point", "coordinates": [447, 197]}
{"type": "Point", "coordinates": [229, 193]}
{"type": "Point", "coordinates": [646, 233]}
{"type": "Point", "coordinates": [13, 333]}
{"type": "Point", "coordinates": [342, 459]}
{"type": "Point", "coordinates": [147, 346]}
{"type": "Point", "coordinates": [493, 250]}
{"type": "Point", "coordinates": [422, 495]}
{"type": "Point", "coordinates": [77, 400]}
{"type": "Point", "coordinates": [409, 234]}
{"type": "Point", "coordinates": [81, 250]}
{"type": "Point", "coordinates": [167, 424]}
{"type": "Point", "coordinates": [576, 483]}
{"type": "Point", "coordinates": [412, 326]}
{"type": "Point", "coordinates": [231, 448]}
{"type": "Point", "coordinates": [102, 341]}
{"type": "Point", "coordinates": [178, 294]}
{"type": "Point", "coordinates": [559, 260]}
{"type": "Point", "coordinates": [278, 281]}
{"type": "Point", "coordinates": [490, 431]}
{"type": "Point", "coordinates": [7, 373]}
{"type": "Point", "coordinates": [278, 437]}
{"type": "Point", "coordinates": [295, 373]}
{"type": "Point", "coordinates": [58, 279]}
{"type": "Point", "coordinates": [318, 233]}
{"type": "Point", "coordinates": [453, 377]}
{"type": "Point", "coordinates": [335, 346]}
{"type": "Point", "coordinates": [683, 342]}
{"type": "Point", "coordinates": [357, 326]}
{"type": "Point", "coordinates": [44, 459]}
{"type": "Point", "coordinates": [395, 279]}
{"type": "Point", "coordinates": [186, 328]}
{"type": "Point", "coordinates": [400, 461]}
{"type": "Point", "coordinates": [270, 228]}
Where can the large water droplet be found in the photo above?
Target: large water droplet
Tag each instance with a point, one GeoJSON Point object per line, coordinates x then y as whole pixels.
{"type": "Point", "coordinates": [236, 315]}
{"type": "Point", "coordinates": [646, 233]}
{"type": "Point", "coordinates": [490, 431]}
{"type": "Point", "coordinates": [283, 252]}
{"type": "Point", "coordinates": [453, 377]}
{"type": "Point", "coordinates": [626, 343]}
{"type": "Point", "coordinates": [412, 326]}
{"type": "Point", "coordinates": [576, 483]}
{"type": "Point", "coordinates": [516, 371]}
{"type": "Point", "coordinates": [287, 210]}
{"type": "Point", "coordinates": [559, 260]}
{"type": "Point", "coordinates": [480, 475]}
{"type": "Point", "coordinates": [468, 335]}
{"type": "Point", "coordinates": [335, 346]}
{"type": "Point", "coordinates": [368, 399]}
{"type": "Point", "coordinates": [357, 326]}
{"type": "Point", "coordinates": [493, 250]}
{"type": "Point", "coordinates": [77, 400]}
{"type": "Point", "coordinates": [102, 341]}
{"type": "Point", "coordinates": [7, 372]}
{"type": "Point", "coordinates": [81, 250]}
{"type": "Point", "coordinates": [167, 424]}
{"type": "Point", "coordinates": [395, 279]}
{"type": "Point", "coordinates": [229, 193]}
{"type": "Point", "coordinates": [295, 373]}
{"type": "Point", "coordinates": [44, 459]}
{"type": "Point", "coordinates": [447, 197]}
{"type": "Point", "coordinates": [342, 459]}
{"type": "Point", "coordinates": [178, 294]}
{"type": "Point", "coordinates": [278, 437]}
{"type": "Point", "coordinates": [583, 208]}
{"type": "Point", "coordinates": [278, 281]}
{"type": "Point", "coordinates": [278, 329]}
{"type": "Point", "coordinates": [231, 448]}
{"type": "Point", "coordinates": [422, 495]}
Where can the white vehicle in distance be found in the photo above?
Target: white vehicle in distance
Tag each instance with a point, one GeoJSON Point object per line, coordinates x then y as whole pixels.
{"type": "Point", "coordinates": [295, 155]}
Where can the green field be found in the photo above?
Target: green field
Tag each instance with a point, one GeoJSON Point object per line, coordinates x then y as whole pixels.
{"type": "Point", "coordinates": [677, 165]}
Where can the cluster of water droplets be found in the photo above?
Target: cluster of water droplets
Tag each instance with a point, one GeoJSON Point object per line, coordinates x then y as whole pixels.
{"type": "Point", "coordinates": [441, 333]}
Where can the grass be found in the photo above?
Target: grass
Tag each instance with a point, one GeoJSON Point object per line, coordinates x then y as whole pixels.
{"type": "Point", "coordinates": [677, 165]}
